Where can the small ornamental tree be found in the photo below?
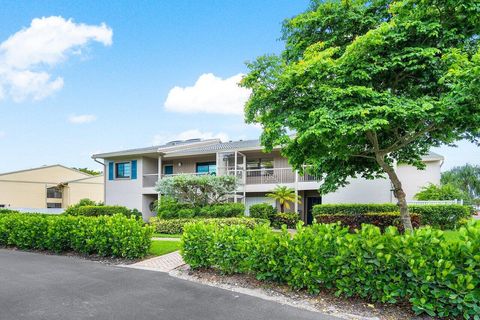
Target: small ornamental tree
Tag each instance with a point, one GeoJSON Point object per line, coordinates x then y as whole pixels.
{"type": "Point", "coordinates": [198, 190]}
{"type": "Point", "coordinates": [284, 195]}
{"type": "Point", "coordinates": [364, 85]}
{"type": "Point", "coordinates": [442, 192]}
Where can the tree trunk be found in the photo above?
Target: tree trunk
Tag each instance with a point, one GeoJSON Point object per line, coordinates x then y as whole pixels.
{"type": "Point", "coordinates": [398, 193]}
{"type": "Point", "coordinates": [282, 207]}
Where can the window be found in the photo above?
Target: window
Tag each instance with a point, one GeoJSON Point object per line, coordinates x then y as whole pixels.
{"type": "Point", "coordinates": [52, 205]}
{"type": "Point", "coordinates": [168, 169]}
{"type": "Point", "coordinates": [206, 167]}
{"type": "Point", "coordinates": [123, 170]}
{"type": "Point", "coordinates": [54, 193]}
{"type": "Point", "coordinates": [2, 206]}
{"type": "Point", "coordinates": [259, 167]}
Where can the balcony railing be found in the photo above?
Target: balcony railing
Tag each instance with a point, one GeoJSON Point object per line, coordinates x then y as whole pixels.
{"type": "Point", "coordinates": [150, 180]}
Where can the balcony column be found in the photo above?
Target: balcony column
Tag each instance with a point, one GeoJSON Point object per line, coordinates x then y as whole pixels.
{"type": "Point", "coordinates": [159, 175]}
{"type": "Point", "coordinates": [236, 177]}
{"type": "Point", "coordinates": [296, 191]}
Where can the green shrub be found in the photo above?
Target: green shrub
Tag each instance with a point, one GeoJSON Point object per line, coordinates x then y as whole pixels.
{"type": "Point", "coordinates": [95, 211]}
{"type": "Point", "coordinates": [439, 216]}
{"type": "Point", "coordinates": [381, 220]}
{"type": "Point", "coordinates": [3, 210]}
{"type": "Point", "coordinates": [175, 226]}
{"type": "Point", "coordinates": [434, 275]}
{"type": "Point", "coordinates": [116, 236]}
{"type": "Point", "coordinates": [262, 211]}
{"type": "Point", "coordinates": [288, 219]}
{"type": "Point", "coordinates": [171, 209]}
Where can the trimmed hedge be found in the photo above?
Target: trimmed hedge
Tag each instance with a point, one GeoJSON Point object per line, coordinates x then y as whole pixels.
{"type": "Point", "coordinates": [381, 220]}
{"type": "Point", "coordinates": [435, 275]}
{"type": "Point", "coordinates": [95, 211]}
{"type": "Point", "coordinates": [288, 219]}
{"type": "Point", "coordinates": [262, 211]}
{"type": "Point", "coordinates": [116, 236]}
{"type": "Point", "coordinates": [175, 226]}
{"type": "Point", "coordinates": [171, 209]}
{"type": "Point", "coordinates": [438, 216]}
{"type": "Point", "coordinates": [3, 210]}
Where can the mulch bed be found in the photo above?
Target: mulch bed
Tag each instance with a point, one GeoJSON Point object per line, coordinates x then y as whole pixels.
{"type": "Point", "coordinates": [325, 301]}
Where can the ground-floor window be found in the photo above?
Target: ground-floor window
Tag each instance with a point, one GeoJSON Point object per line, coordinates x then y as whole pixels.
{"type": "Point", "coordinates": [52, 205]}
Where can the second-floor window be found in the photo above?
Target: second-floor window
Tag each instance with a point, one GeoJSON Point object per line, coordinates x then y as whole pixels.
{"type": "Point", "coordinates": [54, 192]}
{"type": "Point", "coordinates": [206, 167]}
{"type": "Point", "coordinates": [123, 170]}
{"type": "Point", "coordinates": [259, 166]}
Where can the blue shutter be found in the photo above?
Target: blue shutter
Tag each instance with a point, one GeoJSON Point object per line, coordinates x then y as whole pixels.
{"type": "Point", "coordinates": [110, 171]}
{"type": "Point", "coordinates": [134, 169]}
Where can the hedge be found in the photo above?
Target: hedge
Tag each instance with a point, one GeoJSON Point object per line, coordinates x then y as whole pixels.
{"type": "Point", "coordinates": [381, 220]}
{"type": "Point", "coordinates": [288, 219]}
{"type": "Point", "coordinates": [434, 275]}
{"type": "Point", "coordinates": [116, 236]}
{"type": "Point", "coordinates": [171, 209]}
{"type": "Point", "coordinates": [3, 210]}
{"type": "Point", "coordinates": [175, 226]}
{"type": "Point", "coordinates": [438, 216]}
{"type": "Point", "coordinates": [262, 211]}
{"type": "Point", "coordinates": [95, 211]}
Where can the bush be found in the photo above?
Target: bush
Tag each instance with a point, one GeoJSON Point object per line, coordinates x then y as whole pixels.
{"type": "Point", "coordinates": [425, 269]}
{"type": "Point", "coordinates": [175, 226]}
{"type": "Point", "coordinates": [381, 220]}
{"type": "Point", "coordinates": [3, 210]}
{"type": "Point", "coordinates": [171, 209]}
{"type": "Point", "coordinates": [289, 219]}
{"type": "Point", "coordinates": [116, 236]}
{"type": "Point", "coordinates": [439, 216]}
{"type": "Point", "coordinates": [95, 211]}
{"type": "Point", "coordinates": [262, 211]}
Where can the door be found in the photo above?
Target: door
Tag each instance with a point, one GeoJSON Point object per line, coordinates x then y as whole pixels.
{"type": "Point", "coordinates": [311, 201]}
{"type": "Point", "coordinates": [168, 169]}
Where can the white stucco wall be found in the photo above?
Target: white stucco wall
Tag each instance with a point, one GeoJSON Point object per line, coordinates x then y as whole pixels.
{"type": "Point", "coordinates": [413, 179]}
{"type": "Point", "coordinates": [361, 191]}
{"type": "Point", "coordinates": [124, 192]}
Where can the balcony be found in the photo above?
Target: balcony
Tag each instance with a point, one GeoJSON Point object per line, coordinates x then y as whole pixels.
{"type": "Point", "coordinates": [150, 180]}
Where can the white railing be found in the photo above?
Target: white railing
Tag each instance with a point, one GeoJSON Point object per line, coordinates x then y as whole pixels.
{"type": "Point", "coordinates": [427, 202]}
{"type": "Point", "coordinates": [150, 180]}
{"type": "Point", "coordinates": [38, 210]}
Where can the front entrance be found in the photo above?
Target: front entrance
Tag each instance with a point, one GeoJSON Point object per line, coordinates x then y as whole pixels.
{"type": "Point", "coordinates": [311, 201]}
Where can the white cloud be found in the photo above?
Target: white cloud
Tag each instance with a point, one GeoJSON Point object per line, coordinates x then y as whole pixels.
{"type": "Point", "coordinates": [47, 42]}
{"type": "Point", "coordinates": [83, 118]}
{"type": "Point", "coordinates": [189, 134]}
{"type": "Point", "coordinates": [209, 94]}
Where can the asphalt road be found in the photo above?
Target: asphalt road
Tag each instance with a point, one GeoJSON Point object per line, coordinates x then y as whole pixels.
{"type": "Point", "coordinates": [37, 286]}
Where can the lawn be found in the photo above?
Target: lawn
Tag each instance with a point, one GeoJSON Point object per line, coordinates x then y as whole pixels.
{"type": "Point", "coordinates": [166, 235]}
{"type": "Point", "coordinates": [159, 248]}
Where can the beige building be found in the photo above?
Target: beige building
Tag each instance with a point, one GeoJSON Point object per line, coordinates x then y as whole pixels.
{"type": "Point", "coordinates": [54, 186]}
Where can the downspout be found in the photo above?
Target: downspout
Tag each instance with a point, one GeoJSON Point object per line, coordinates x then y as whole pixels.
{"type": "Point", "coordinates": [104, 180]}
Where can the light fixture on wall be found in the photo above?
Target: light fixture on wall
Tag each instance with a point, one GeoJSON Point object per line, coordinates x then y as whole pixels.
{"type": "Point", "coordinates": [180, 163]}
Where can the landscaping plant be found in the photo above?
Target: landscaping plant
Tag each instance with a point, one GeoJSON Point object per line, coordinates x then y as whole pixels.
{"type": "Point", "coordinates": [284, 195]}
{"type": "Point", "coordinates": [175, 226]}
{"type": "Point", "coordinates": [423, 268]}
{"type": "Point", "coordinates": [366, 85]}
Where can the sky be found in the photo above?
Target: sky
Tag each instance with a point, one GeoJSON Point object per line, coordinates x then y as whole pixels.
{"type": "Point", "coordinates": [89, 77]}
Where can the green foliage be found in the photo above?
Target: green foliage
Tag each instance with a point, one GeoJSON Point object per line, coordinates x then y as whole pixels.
{"type": "Point", "coordinates": [89, 171]}
{"type": "Point", "coordinates": [262, 211]}
{"type": "Point", "coordinates": [289, 219]}
{"type": "Point", "coordinates": [93, 211]}
{"type": "Point", "coordinates": [116, 236]}
{"type": "Point", "coordinates": [87, 202]}
{"type": "Point", "coordinates": [366, 84]}
{"type": "Point", "coordinates": [284, 195]}
{"type": "Point", "coordinates": [439, 216]}
{"type": "Point", "coordinates": [175, 226]}
{"type": "Point", "coordinates": [169, 208]}
{"type": "Point", "coordinates": [379, 219]}
{"type": "Point", "coordinates": [436, 276]}
{"type": "Point", "coordinates": [198, 190]}
{"type": "Point", "coordinates": [442, 192]}
{"type": "Point", "coordinates": [467, 179]}
{"type": "Point", "coordinates": [3, 210]}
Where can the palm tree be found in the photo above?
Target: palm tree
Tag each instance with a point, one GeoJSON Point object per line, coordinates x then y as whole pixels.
{"type": "Point", "coordinates": [466, 178]}
{"type": "Point", "coordinates": [284, 196]}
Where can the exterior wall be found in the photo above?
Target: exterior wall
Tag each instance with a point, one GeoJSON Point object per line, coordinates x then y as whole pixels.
{"type": "Point", "coordinates": [91, 188]}
{"type": "Point", "coordinates": [361, 191]}
{"type": "Point", "coordinates": [23, 194]}
{"type": "Point", "coordinates": [124, 192]}
{"type": "Point", "coordinates": [413, 179]}
{"type": "Point", "coordinates": [50, 174]}
{"type": "Point", "coordinates": [189, 165]}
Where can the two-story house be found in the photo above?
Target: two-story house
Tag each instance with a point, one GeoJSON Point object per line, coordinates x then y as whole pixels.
{"type": "Point", "coordinates": [131, 175]}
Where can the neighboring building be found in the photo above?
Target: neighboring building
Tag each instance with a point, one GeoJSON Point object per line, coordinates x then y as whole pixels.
{"type": "Point", "coordinates": [130, 175]}
{"type": "Point", "coordinates": [50, 187]}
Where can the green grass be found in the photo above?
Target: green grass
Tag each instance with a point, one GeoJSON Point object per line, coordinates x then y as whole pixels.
{"type": "Point", "coordinates": [159, 248]}
{"type": "Point", "coordinates": [166, 235]}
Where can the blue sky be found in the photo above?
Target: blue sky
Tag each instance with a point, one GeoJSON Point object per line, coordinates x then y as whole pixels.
{"type": "Point", "coordinates": [110, 86]}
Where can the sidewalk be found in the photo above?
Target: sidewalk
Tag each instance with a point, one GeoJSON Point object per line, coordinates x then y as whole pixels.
{"type": "Point", "coordinates": [165, 263]}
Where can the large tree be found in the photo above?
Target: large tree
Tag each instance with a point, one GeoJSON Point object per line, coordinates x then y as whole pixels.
{"type": "Point", "coordinates": [466, 178]}
{"type": "Point", "coordinates": [363, 85]}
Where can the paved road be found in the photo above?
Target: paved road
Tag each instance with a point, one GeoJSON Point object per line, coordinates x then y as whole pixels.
{"type": "Point", "coordinates": [36, 286]}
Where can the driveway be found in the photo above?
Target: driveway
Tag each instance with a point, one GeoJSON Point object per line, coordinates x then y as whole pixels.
{"type": "Point", "coordinates": [37, 286]}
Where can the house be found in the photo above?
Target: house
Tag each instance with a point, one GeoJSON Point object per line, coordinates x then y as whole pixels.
{"type": "Point", "coordinates": [131, 175]}
{"type": "Point", "coordinates": [54, 186]}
